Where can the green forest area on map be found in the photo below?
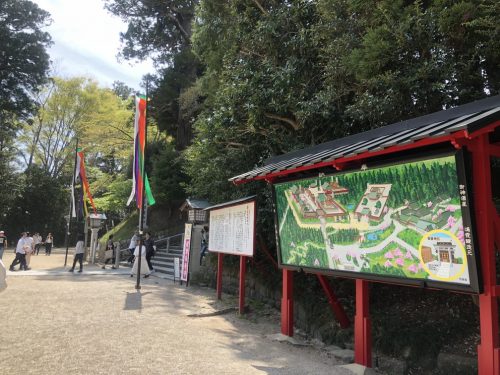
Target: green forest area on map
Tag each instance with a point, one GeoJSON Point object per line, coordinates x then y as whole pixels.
{"type": "Point", "coordinates": [373, 221]}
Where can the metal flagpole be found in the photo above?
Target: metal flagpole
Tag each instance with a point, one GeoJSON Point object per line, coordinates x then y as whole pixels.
{"type": "Point", "coordinates": [72, 196]}
{"type": "Point", "coordinates": [143, 174]}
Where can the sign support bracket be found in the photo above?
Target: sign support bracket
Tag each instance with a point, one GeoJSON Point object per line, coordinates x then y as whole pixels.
{"type": "Point", "coordinates": [335, 304]}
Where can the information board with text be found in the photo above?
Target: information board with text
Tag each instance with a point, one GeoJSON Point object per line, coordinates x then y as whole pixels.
{"type": "Point", "coordinates": [232, 229]}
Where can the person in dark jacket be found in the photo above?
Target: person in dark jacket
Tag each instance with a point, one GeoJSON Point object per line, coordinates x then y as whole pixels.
{"type": "Point", "coordinates": [204, 242]}
{"type": "Point", "coordinates": [110, 245]}
{"type": "Point", "coordinates": [150, 249]}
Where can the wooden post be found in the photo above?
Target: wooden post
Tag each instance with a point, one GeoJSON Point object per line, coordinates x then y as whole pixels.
{"type": "Point", "coordinates": [242, 284]}
{"type": "Point", "coordinates": [362, 325]}
{"type": "Point", "coordinates": [220, 257]}
{"type": "Point", "coordinates": [287, 304]}
{"type": "Point", "coordinates": [487, 351]}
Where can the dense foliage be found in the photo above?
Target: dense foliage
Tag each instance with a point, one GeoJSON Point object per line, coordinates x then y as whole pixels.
{"type": "Point", "coordinates": [282, 75]}
{"type": "Point", "coordinates": [24, 61]}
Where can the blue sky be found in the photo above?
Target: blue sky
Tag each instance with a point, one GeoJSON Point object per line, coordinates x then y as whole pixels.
{"type": "Point", "coordinates": [86, 41]}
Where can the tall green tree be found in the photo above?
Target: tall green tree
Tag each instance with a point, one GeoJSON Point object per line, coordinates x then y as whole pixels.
{"type": "Point", "coordinates": [9, 186]}
{"type": "Point", "coordinates": [157, 29]}
{"type": "Point", "coordinates": [39, 206]}
{"type": "Point", "coordinates": [24, 62]}
{"type": "Point", "coordinates": [282, 75]}
{"type": "Point", "coordinates": [162, 31]}
{"type": "Point", "coordinates": [78, 107]}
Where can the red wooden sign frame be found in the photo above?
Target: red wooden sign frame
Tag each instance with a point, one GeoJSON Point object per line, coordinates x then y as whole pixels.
{"type": "Point", "coordinates": [488, 234]}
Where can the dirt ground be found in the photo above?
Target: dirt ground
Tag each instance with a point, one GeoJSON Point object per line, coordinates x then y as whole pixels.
{"type": "Point", "coordinates": [57, 322]}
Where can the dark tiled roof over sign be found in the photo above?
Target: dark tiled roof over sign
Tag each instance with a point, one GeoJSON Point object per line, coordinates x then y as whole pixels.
{"type": "Point", "coordinates": [198, 204]}
{"type": "Point", "coordinates": [468, 117]}
{"type": "Point", "coordinates": [231, 203]}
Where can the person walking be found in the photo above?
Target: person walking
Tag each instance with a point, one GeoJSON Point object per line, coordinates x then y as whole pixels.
{"type": "Point", "coordinates": [48, 244]}
{"type": "Point", "coordinates": [150, 250]}
{"type": "Point", "coordinates": [144, 264]}
{"type": "Point", "coordinates": [204, 242]}
{"type": "Point", "coordinates": [22, 246]}
{"type": "Point", "coordinates": [30, 241]}
{"type": "Point", "coordinates": [79, 251]}
{"type": "Point", "coordinates": [3, 243]}
{"type": "Point", "coordinates": [37, 242]}
{"type": "Point", "coordinates": [134, 241]}
{"type": "Point", "coordinates": [110, 246]}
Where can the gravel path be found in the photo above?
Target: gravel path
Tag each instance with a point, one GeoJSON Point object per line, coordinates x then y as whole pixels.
{"type": "Point", "coordinates": [55, 322]}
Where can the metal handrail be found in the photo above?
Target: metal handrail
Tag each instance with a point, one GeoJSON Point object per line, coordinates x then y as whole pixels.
{"type": "Point", "coordinates": [169, 240]}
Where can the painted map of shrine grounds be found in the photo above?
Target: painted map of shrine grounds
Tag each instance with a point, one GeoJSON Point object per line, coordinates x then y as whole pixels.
{"type": "Point", "coordinates": [401, 221]}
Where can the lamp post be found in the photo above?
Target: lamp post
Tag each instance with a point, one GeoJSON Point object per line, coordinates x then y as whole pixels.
{"type": "Point", "coordinates": [95, 221]}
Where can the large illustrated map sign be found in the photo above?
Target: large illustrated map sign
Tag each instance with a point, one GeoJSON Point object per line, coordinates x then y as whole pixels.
{"type": "Point", "coordinates": [404, 223]}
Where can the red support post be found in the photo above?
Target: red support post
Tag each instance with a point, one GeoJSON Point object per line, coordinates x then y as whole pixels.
{"type": "Point", "coordinates": [220, 256]}
{"type": "Point", "coordinates": [488, 351]}
{"type": "Point", "coordinates": [287, 303]}
{"type": "Point", "coordinates": [496, 230]}
{"type": "Point", "coordinates": [337, 308]}
{"type": "Point", "coordinates": [362, 325]}
{"type": "Point", "coordinates": [242, 284]}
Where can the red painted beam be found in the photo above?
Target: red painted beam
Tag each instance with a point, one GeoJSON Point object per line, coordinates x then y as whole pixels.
{"type": "Point", "coordinates": [497, 291]}
{"type": "Point", "coordinates": [488, 349]}
{"type": "Point", "coordinates": [495, 150]}
{"type": "Point", "coordinates": [287, 303]}
{"type": "Point", "coordinates": [266, 251]}
{"type": "Point", "coordinates": [220, 263]}
{"type": "Point", "coordinates": [362, 325]}
{"type": "Point", "coordinates": [487, 129]}
{"type": "Point", "coordinates": [496, 225]}
{"type": "Point", "coordinates": [337, 308]}
{"type": "Point", "coordinates": [242, 284]}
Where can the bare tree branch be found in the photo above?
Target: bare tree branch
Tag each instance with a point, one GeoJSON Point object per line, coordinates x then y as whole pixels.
{"type": "Point", "coordinates": [294, 124]}
{"type": "Point", "coordinates": [259, 5]}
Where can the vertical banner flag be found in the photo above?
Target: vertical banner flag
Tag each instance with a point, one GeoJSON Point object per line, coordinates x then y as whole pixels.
{"type": "Point", "coordinates": [139, 178]}
{"type": "Point", "coordinates": [188, 229]}
{"type": "Point", "coordinates": [81, 176]}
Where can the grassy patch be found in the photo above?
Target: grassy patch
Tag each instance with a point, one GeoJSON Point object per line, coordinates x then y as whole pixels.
{"type": "Point", "coordinates": [124, 230]}
{"type": "Point", "coordinates": [411, 237]}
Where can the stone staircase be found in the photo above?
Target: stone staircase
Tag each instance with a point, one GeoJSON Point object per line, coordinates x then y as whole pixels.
{"type": "Point", "coordinates": [167, 249]}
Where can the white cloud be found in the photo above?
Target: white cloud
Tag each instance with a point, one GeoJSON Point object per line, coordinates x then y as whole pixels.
{"type": "Point", "coordinates": [86, 41]}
